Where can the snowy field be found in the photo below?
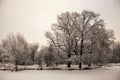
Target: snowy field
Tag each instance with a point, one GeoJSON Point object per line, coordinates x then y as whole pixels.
{"type": "Point", "coordinates": [104, 73]}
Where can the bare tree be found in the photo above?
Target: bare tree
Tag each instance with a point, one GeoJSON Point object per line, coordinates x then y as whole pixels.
{"type": "Point", "coordinates": [34, 49]}
{"type": "Point", "coordinates": [98, 44]}
{"type": "Point", "coordinates": [63, 34]}
{"type": "Point", "coordinates": [40, 58]}
{"type": "Point", "coordinates": [87, 21]}
{"type": "Point", "coordinates": [116, 52]}
{"type": "Point", "coordinates": [74, 29]}
{"type": "Point", "coordinates": [49, 56]}
{"type": "Point", "coordinates": [17, 46]}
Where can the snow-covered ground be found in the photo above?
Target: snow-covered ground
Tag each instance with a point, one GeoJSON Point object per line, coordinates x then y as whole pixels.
{"type": "Point", "coordinates": [104, 73]}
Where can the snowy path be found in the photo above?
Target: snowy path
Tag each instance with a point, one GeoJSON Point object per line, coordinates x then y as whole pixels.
{"type": "Point", "coordinates": [109, 73]}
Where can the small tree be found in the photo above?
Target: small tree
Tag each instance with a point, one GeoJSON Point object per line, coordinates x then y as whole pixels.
{"type": "Point", "coordinates": [49, 57]}
{"type": "Point", "coordinates": [116, 52]}
{"type": "Point", "coordinates": [33, 51]}
{"type": "Point", "coordinates": [40, 57]}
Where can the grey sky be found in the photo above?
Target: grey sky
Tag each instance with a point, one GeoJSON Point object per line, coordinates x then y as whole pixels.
{"type": "Point", "coordinates": [33, 17]}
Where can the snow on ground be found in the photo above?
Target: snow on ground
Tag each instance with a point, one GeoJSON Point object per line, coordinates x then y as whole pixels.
{"type": "Point", "coordinates": [104, 73]}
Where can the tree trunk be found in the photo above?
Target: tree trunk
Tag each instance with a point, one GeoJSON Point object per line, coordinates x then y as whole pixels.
{"type": "Point", "coordinates": [81, 52]}
{"type": "Point", "coordinates": [33, 55]}
{"type": "Point", "coordinates": [89, 64]}
{"type": "Point", "coordinates": [69, 62]}
{"type": "Point", "coordinates": [40, 64]}
{"type": "Point", "coordinates": [47, 64]}
{"type": "Point", "coordinates": [90, 59]}
{"type": "Point", "coordinates": [15, 65]}
{"type": "Point", "coordinates": [80, 65]}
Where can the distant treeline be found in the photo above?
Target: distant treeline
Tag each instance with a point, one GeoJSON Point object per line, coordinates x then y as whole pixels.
{"type": "Point", "coordinates": [76, 38]}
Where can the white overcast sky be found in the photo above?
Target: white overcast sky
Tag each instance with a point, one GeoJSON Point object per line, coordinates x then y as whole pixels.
{"type": "Point", "coordinates": [33, 17]}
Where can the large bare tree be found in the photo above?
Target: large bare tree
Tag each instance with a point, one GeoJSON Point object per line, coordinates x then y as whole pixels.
{"type": "Point", "coordinates": [63, 34]}
{"type": "Point", "coordinates": [73, 30]}
{"type": "Point", "coordinates": [87, 21]}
